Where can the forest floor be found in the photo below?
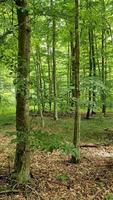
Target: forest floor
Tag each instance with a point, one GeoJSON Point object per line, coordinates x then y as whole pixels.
{"type": "Point", "coordinates": [54, 177]}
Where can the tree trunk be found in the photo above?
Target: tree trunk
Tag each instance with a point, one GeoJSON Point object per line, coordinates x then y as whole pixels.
{"type": "Point", "coordinates": [90, 74]}
{"type": "Point", "coordinates": [22, 157]}
{"type": "Point", "coordinates": [68, 77]}
{"type": "Point", "coordinates": [76, 138]}
{"type": "Point", "coordinates": [54, 65]}
{"type": "Point", "coordinates": [72, 38]}
{"type": "Point", "coordinates": [103, 73]}
{"type": "Point", "coordinates": [49, 73]}
{"type": "Point", "coordinates": [94, 70]}
{"type": "Point", "coordinates": [39, 85]}
{"type": "Point", "coordinates": [103, 96]}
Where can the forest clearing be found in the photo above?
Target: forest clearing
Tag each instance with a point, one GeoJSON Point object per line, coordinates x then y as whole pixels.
{"type": "Point", "coordinates": [56, 100]}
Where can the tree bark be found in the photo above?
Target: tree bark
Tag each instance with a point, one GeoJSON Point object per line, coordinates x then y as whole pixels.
{"type": "Point", "coordinates": [94, 70]}
{"type": "Point", "coordinates": [22, 157]}
{"type": "Point", "coordinates": [39, 84]}
{"type": "Point", "coordinates": [103, 96]}
{"type": "Point", "coordinates": [68, 77]}
{"type": "Point", "coordinates": [49, 73]}
{"type": "Point", "coordinates": [72, 65]}
{"type": "Point", "coordinates": [90, 74]}
{"type": "Point", "coordinates": [54, 65]}
{"type": "Point", "coordinates": [76, 137]}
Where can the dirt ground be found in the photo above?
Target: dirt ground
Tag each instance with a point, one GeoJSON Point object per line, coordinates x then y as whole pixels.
{"type": "Point", "coordinates": [55, 178]}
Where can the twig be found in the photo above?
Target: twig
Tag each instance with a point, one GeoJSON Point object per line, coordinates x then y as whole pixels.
{"type": "Point", "coordinates": [35, 192]}
{"type": "Point", "coordinates": [94, 145]}
{"type": "Point", "coordinates": [9, 191]}
{"type": "Point", "coordinates": [93, 198]}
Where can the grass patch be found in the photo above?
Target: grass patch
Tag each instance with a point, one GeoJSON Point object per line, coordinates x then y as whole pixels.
{"type": "Point", "coordinates": [92, 131]}
{"type": "Point", "coordinates": [7, 119]}
{"type": "Point", "coordinates": [109, 196]}
{"type": "Point", "coordinates": [62, 177]}
{"type": "Point", "coordinates": [96, 130]}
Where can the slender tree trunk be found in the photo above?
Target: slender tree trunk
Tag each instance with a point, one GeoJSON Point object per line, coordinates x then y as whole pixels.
{"type": "Point", "coordinates": [41, 92]}
{"type": "Point", "coordinates": [22, 157]}
{"type": "Point", "coordinates": [44, 92]}
{"type": "Point", "coordinates": [76, 137]}
{"type": "Point", "coordinates": [103, 57]}
{"type": "Point", "coordinates": [43, 86]}
{"type": "Point", "coordinates": [42, 107]}
{"type": "Point", "coordinates": [49, 73]}
{"type": "Point", "coordinates": [103, 73]}
{"type": "Point", "coordinates": [90, 74]}
{"type": "Point", "coordinates": [68, 77]}
{"type": "Point", "coordinates": [94, 70]}
{"type": "Point", "coordinates": [54, 65]}
{"type": "Point", "coordinates": [97, 58]}
{"type": "Point", "coordinates": [72, 65]}
{"type": "Point", "coordinates": [42, 82]}
{"type": "Point", "coordinates": [39, 86]}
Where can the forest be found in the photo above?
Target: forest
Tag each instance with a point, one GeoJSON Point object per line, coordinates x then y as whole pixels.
{"type": "Point", "coordinates": [56, 100]}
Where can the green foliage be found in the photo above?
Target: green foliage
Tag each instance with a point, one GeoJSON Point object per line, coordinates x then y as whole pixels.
{"type": "Point", "coordinates": [69, 149]}
{"type": "Point", "coordinates": [7, 119]}
{"type": "Point", "coordinates": [89, 83]}
{"type": "Point", "coordinates": [41, 13]}
{"type": "Point", "coordinates": [45, 141]}
{"type": "Point", "coordinates": [62, 177]}
{"type": "Point", "coordinates": [49, 142]}
{"type": "Point", "coordinates": [109, 196]}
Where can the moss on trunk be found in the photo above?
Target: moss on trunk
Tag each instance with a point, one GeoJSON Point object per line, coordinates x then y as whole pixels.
{"type": "Point", "coordinates": [22, 157]}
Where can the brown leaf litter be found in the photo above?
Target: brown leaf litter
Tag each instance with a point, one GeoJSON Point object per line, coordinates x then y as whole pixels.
{"type": "Point", "coordinates": [92, 179]}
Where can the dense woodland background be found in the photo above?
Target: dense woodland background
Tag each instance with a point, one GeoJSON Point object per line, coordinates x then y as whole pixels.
{"type": "Point", "coordinates": [95, 57]}
{"type": "Point", "coordinates": [56, 88]}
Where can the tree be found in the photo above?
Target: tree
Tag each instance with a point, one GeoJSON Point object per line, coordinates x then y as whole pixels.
{"type": "Point", "coordinates": [49, 72]}
{"type": "Point", "coordinates": [38, 83]}
{"type": "Point", "coordinates": [76, 138]}
{"type": "Point", "coordinates": [22, 157]}
{"type": "Point", "coordinates": [90, 74]}
{"type": "Point", "coordinates": [54, 62]}
{"type": "Point", "coordinates": [103, 48]}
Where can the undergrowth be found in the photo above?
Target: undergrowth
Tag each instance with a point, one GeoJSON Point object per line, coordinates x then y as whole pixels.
{"type": "Point", "coordinates": [49, 142]}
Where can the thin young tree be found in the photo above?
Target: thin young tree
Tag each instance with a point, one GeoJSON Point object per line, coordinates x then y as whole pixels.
{"type": "Point", "coordinates": [93, 69]}
{"type": "Point", "coordinates": [90, 74]}
{"type": "Point", "coordinates": [103, 48]}
{"type": "Point", "coordinates": [76, 137]}
{"type": "Point", "coordinates": [54, 62]}
{"type": "Point", "coordinates": [49, 73]}
{"type": "Point", "coordinates": [38, 84]}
